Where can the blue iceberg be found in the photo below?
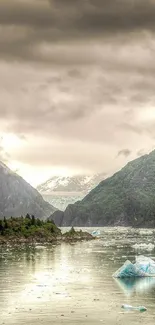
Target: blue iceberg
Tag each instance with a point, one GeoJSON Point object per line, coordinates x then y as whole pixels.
{"type": "Point", "coordinates": [143, 267]}
{"type": "Point", "coordinates": [96, 232]}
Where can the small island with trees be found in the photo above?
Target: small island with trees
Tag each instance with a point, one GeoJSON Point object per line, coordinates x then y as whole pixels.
{"type": "Point", "coordinates": [31, 230]}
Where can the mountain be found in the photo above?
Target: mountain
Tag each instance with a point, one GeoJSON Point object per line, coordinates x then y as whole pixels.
{"type": "Point", "coordinates": [61, 191]}
{"type": "Point", "coordinates": [125, 199]}
{"type": "Point", "coordinates": [17, 197]}
{"type": "Point", "coordinates": [71, 184]}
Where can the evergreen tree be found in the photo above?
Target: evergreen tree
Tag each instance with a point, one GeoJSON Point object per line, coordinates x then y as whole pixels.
{"type": "Point", "coordinates": [28, 216]}
{"type": "Point", "coordinates": [5, 223]}
{"type": "Point", "coordinates": [1, 228]}
{"type": "Point", "coordinates": [33, 220]}
{"type": "Point", "coordinates": [38, 222]}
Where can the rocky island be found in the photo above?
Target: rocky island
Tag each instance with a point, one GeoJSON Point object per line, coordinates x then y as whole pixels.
{"type": "Point", "coordinates": [31, 230]}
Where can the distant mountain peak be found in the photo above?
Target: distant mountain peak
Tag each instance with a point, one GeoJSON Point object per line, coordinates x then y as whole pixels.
{"type": "Point", "coordinates": [76, 183]}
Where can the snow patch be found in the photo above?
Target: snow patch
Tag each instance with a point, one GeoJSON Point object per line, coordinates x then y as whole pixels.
{"type": "Point", "coordinates": [79, 183]}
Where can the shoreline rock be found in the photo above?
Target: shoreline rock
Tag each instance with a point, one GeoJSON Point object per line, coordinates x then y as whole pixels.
{"type": "Point", "coordinates": [70, 236]}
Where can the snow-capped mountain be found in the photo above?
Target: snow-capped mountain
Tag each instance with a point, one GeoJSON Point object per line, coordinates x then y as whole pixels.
{"type": "Point", "coordinates": [61, 191]}
{"type": "Point", "coordinates": [71, 184]}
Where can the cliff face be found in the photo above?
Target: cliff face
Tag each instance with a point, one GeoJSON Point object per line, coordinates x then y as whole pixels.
{"type": "Point", "coordinates": [17, 197]}
{"type": "Point", "coordinates": [125, 199]}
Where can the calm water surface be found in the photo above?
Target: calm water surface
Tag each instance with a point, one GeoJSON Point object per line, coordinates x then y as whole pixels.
{"type": "Point", "coordinates": [73, 284]}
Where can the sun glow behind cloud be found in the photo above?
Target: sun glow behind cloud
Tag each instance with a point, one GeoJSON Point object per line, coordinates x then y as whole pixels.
{"type": "Point", "coordinates": [148, 115]}
{"type": "Point", "coordinates": [36, 175]}
{"type": "Point", "coordinates": [13, 145]}
{"type": "Point", "coordinates": [10, 141]}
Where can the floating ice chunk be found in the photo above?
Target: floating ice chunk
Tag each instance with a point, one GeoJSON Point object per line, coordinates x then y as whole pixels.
{"type": "Point", "coordinates": [96, 233]}
{"type": "Point", "coordinates": [128, 270]}
{"type": "Point", "coordinates": [139, 308]}
{"type": "Point", "coordinates": [146, 232]}
{"type": "Point", "coordinates": [144, 266]}
{"type": "Point", "coordinates": [144, 259]}
{"type": "Point", "coordinates": [148, 247]}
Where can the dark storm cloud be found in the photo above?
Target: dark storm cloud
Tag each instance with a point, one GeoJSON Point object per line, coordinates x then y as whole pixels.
{"type": "Point", "coordinates": [42, 21]}
{"type": "Point", "coordinates": [26, 13]}
{"type": "Point", "coordinates": [81, 14]}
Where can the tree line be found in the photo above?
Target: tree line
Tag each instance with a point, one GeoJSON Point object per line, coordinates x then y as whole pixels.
{"type": "Point", "coordinates": [26, 226]}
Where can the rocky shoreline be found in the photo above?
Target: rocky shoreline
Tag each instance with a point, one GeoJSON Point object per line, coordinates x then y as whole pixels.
{"type": "Point", "coordinates": [70, 236]}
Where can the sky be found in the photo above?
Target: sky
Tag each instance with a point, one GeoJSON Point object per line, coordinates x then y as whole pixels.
{"type": "Point", "coordinates": [77, 85]}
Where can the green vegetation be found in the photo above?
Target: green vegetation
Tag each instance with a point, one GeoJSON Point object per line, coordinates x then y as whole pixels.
{"type": "Point", "coordinates": [127, 199]}
{"type": "Point", "coordinates": [28, 227]}
{"type": "Point", "coordinates": [75, 235]}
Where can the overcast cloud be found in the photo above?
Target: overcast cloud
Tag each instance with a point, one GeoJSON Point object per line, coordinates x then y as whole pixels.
{"type": "Point", "coordinates": [77, 83]}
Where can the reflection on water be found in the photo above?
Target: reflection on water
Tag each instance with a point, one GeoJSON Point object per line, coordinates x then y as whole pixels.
{"type": "Point", "coordinates": [73, 284]}
{"type": "Point", "coordinates": [139, 285]}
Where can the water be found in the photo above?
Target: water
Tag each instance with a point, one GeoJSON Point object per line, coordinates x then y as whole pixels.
{"type": "Point", "coordinates": [73, 284]}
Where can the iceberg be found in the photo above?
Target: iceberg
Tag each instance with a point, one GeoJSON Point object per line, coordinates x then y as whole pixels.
{"type": "Point", "coordinates": [139, 308]}
{"type": "Point", "coordinates": [96, 233]}
{"type": "Point", "coordinates": [143, 267]}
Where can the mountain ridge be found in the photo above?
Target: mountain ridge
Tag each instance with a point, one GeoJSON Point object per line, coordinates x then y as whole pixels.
{"type": "Point", "coordinates": [63, 190]}
{"type": "Point", "coordinates": [76, 183]}
{"type": "Point", "coordinates": [125, 199]}
{"type": "Point", "coordinates": [17, 197]}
